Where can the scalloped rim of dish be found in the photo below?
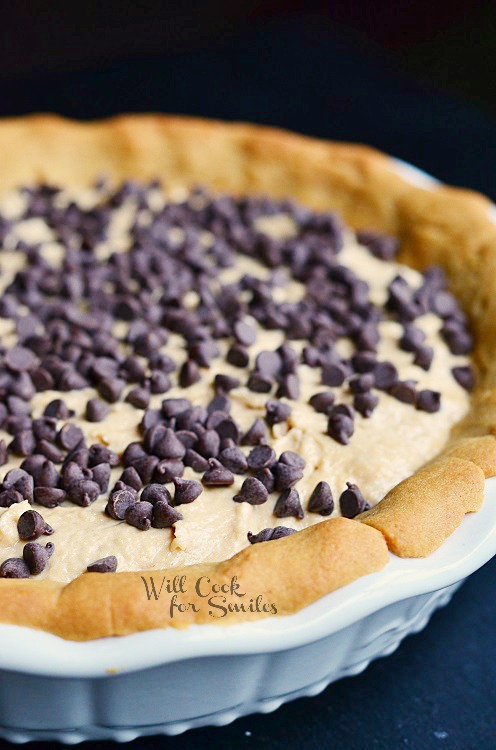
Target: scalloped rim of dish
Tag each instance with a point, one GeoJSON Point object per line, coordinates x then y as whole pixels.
{"type": "Point", "coordinates": [468, 548]}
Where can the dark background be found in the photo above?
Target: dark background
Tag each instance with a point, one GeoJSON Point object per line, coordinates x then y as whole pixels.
{"type": "Point", "coordinates": [415, 78]}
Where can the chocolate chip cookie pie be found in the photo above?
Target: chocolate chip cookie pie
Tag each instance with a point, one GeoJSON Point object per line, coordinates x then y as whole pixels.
{"type": "Point", "coordinates": [229, 354]}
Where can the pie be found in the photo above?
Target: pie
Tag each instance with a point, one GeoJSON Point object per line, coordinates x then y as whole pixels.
{"type": "Point", "coordinates": [239, 368]}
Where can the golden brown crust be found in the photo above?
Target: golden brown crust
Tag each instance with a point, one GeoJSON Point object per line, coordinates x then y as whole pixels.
{"type": "Point", "coordinates": [431, 503]}
{"type": "Point", "coordinates": [288, 573]}
{"type": "Point", "coordinates": [443, 225]}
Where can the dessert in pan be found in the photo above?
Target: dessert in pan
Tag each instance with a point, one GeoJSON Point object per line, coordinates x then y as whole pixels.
{"type": "Point", "coordinates": [211, 373]}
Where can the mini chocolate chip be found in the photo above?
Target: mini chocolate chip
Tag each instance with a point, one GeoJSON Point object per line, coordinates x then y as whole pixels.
{"type": "Point", "coordinates": [36, 556]}
{"type": "Point", "coordinates": [292, 459]}
{"type": "Point", "coordinates": [23, 443]}
{"type": "Point", "coordinates": [119, 501]}
{"type": "Point", "coordinates": [129, 476]}
{"type": "Point", "coordinates": [382, 246]}
{"type": "Point", "coordinates": [252, 491]}
{"type": "Point", "coordinates": [245, 333]}
{"type": "Point", "coordinates": [334, 374]}
{"type": "Point", "coordinates": [285, 475]}
{"type": "Point", "coordinates": [234, 460]}
{"type": "Point", "coordinates": [171, 407]}
{"type": "Point", "coordinates": [104, 565]}
{"type": "Point", "coordinates": [159, 382]}
{"type": "Point", "coordinates": [267, 478]}
{"type": "Point", "coordinates": [256, 434]}
{"type": "Point", "coordinates": [321, 500]}
{"type": "Point", "coordinates": [464, 376]}
{"type": "Point", "coordinates": [404, 391]}
{"type": "Point", "coordinates": [260, 457]}
{"type": "Point", "coordinates": [208, 444]}
{"type": "Point", "coordinates": [352, 502]}
{"type": "Point", "coordinates": [145, 466]}
{"type": "Point", "coordinates": [138, 397]}
{"type": "Point", "coordinates": [365, 403]}
{"type": "Point", "coordinates": [19, 359]}
{"type": "Point", "coordinates": [311, 356]}
{"type": "Point", "coordinates": [288, 387]}
{"type": "Point", "coordinates": [155, 493]}
{"type": "Point", "coordinates": [50, 451]}
{"type": "Point", "coordinates": [226, 383]}
{"type": "Point", "coordinates": [100, 454]}
{"type": "Point", "coordinates": [101, 475]}
{"type": "Point", "coordinates": [322, 402]}
{"type": "Point", "coordinates": [423, 357]}
{"type": "Point", "coordinates": [96, 410]}
{"type": "Point", "coordinates": [31, 525]}
{"type": "Point", "coordinates": [268, 535]}
{"type": "Point", "coordinates": [385, 375]}
{"type": "Point", "coordinates": [195, 461]}
{"type": "Point", "coordinates": [58, 409]}
{"type": "Point", "coordinates": [139, 515]}
{"type": "Point", "coordinates": [227, 429]}
{"type": "Point", "coordinates": [429, 401]}
{"type": "Point", "coordinates": [217, 475]}
{"type": "Point", "coordinates": [20, 480]}
{"type": "Point", "coordinates": [79, 456]}
{"type": "Point", "coordinates": [187, 490]}
{"type": "Point", "coordinates": [361, 383]}
{"type": "Point", "coordinates": [10, 497]}
{"type": "Point", "coordinates": [458, 339]}
{"type": "Point", "coordinates": [276, 412]}
{"type": "Point", "coordinates": [238, 356]}
{"type": "Point", "coordinates": [49, 497]}
{"type": "Point", "coordinates": [340, 427]}
{"type": "Point", "coordinates": [14, 567]}
{"type": "Point", "coordinates": [164, 515]}
{"type": "Point", "coordinates": [189, 374]}
{"type": "Point", "coordinates": [83, 493]}
{"type": "Point", "coordinates": [259, 382]}
{"type": "Point", "coordinates": [412, 339]}
{"type": "Point", "coordinates": [220, 403]}
{"type": "Point", "coordinates": [69, 436]}
{"type": "Point", "coordinates": [268, 363]}
{"type": "Point", "coordinates": [288, 504]}
{"type": "Point", "coordinates": [111, 389]}
{"type": "Point", "coordinates": [363, 361]}
{"type": "Point", "coordinates": [168, 446]}
{"type": "Point", "coordinates": [167, 469]}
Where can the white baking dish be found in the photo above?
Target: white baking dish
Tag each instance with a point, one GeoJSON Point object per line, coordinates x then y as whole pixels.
{"type": "Point", "coordinates": [211, 675]}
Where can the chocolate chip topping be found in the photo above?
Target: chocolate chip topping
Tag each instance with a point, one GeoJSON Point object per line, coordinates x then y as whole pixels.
{"type": "Point", "coordinates": [14, 567]}
{"type": "Point", "coordinates": [321, 500]}
{"type": "Point", "coordinates": [139, 515]}
{"type": "Point", "coordinates": [119, 502]}
{"type": "Point", "coordinates": [352, 502]}
{"type": "Point", "coordinates": [217, 475]}
{"type": "Point", "coordinates": [164, 515]}
{"type": "Point", "coordinates": [267, 535]}
{"type": "Point", "coordinates": [252, 491]}
{"type": "Point", "coordinates": [32, 525]}
{"type": "Point", "coordinates": [186, 490]}
{"type": "Point", "coordinates": [104, 565]}
{"type": "Point", "coordinates": [288, 504]}
{"type": "Point", "coordinates": [260, 457]}
{"type": "Point", "coordinates": [65, 320]}
{"type": "Point", "coordinates": [36, 556]}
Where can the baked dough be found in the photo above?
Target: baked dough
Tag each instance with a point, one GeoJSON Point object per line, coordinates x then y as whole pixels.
{"type": "Point", "coordinates": [444, 225]}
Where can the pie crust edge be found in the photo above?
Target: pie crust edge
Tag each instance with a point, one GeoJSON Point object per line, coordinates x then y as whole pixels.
{"type": "Point", "coordinates": [444, 225]}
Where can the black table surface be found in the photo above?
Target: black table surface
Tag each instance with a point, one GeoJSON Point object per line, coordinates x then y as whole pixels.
{"type": "Point", "coordinates": [438, 690]}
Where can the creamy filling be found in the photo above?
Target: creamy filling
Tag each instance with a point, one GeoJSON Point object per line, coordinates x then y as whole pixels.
{"type": "Point", "coordinates": [386, 448]}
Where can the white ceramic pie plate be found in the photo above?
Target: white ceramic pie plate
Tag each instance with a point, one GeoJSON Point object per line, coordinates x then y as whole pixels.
{"type": "Point", "coordinates": [164, 682]}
